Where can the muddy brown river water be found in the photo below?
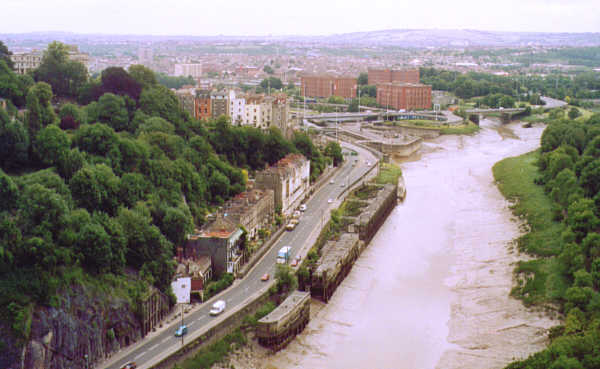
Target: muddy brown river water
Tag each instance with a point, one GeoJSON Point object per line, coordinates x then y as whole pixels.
{"type": "Point", "coordinates": [432, 289]}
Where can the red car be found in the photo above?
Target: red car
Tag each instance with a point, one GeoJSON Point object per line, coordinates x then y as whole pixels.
{"type": "Point", "coordinates": [129, 365]}
{"type": "Point", "coordinates": [265, 277]}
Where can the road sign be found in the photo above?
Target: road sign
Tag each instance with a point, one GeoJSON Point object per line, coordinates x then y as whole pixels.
{"type": "Point", "coordinates": [182, 288]}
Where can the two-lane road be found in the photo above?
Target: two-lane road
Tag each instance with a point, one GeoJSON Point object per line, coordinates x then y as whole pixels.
{"type": "Point", "coordinates": [148, 351]}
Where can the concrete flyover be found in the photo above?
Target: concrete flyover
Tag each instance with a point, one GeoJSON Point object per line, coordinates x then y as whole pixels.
{"type": "Point", "coordinates": [378, 115]}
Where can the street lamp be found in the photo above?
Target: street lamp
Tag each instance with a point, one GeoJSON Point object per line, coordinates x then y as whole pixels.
{"type": "Point", "coordinates": [87, 365]}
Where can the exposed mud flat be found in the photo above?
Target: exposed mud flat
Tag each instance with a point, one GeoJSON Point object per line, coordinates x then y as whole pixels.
{"type": "Point", "coordinates": [432, 289]}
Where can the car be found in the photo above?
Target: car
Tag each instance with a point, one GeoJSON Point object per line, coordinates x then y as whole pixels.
{"type": "Point", "coordinates": [332, 181]}
{"type": "Point", "coordinates": [217, 307]}
{"type": "Point", "coordinates": [342, 184]}
{"type": "Point", "coordinates": [368, 163]}
{"type": "Point", "coordinates": [296, 214]}
{"type": "Point", "coordinates": [130, 365]}
{"type": "Point", "coordinates": [265, 277]}
{"type": "Point", "coordinates": [181, 331]}
{"type": "Point", "coordinates": [303, 207]}
{"type": "Point", "coordinates": [329, 201]}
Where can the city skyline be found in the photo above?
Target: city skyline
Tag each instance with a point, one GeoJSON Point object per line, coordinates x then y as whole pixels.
{"type": "Point", "coordinates": [269, 17]}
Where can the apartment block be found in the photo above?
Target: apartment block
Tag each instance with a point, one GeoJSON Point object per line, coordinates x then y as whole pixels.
{"type": "Point", "coordinates": [378, 76]}
{"type": "Point", "coordinates": [325, 86]}
{"type": "Point", "coordinates": [26, 61]}
{"type": "Point", "coordinates": [407, 96]}
{"type": "Point", "coordinates": [194, 70]}
{"type": "Point", "coordinates": [237, 108]}
{"type": "Point", "coordinates": [219, 104]}
{"type": "Point", "coordinates": [203, 109]}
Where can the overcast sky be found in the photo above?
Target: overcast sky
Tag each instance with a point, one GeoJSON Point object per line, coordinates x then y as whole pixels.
{"type": "Point", "coordinates": [285, 17]}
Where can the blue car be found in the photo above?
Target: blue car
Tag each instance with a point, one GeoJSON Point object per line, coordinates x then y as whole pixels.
{"type": "Point", "coordinates": [182, 330]}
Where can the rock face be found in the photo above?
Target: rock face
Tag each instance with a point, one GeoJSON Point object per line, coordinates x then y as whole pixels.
{"type": "Point", "coordinates": [84, 323]}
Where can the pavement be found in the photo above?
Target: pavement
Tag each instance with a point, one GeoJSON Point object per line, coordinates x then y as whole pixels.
{"type": "Point", "coordinates": [158, 345]}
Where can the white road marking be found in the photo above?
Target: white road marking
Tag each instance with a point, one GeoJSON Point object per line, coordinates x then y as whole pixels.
{"type": "Point", "coordinates": [165, 340]}
{"type": "Point", "coordinates": [153, 347]}
{"type": "Point", "coordinates": [140, 355]}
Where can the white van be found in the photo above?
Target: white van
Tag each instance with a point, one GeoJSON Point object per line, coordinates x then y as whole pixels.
{"type": "Point", "coordinates": [217, 307]}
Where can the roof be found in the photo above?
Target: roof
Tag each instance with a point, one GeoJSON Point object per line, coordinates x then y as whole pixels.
{"type": "Point", "coordinates": [220, 228]}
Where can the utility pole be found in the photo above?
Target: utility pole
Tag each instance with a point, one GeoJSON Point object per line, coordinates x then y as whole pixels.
{"type": "Point", "coordinates": [336, 125]}
{"type": "Point", "coordinates": [182, 325]}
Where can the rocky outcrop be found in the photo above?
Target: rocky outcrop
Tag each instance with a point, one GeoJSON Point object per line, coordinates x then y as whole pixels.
{"type": "Point", "coordinates": [84, 323]}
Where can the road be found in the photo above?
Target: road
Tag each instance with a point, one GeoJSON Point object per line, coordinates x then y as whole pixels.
{"type": "Point", "coordinates": [149, 351]}
{"type": "Point", "coordinates": [553, 103]}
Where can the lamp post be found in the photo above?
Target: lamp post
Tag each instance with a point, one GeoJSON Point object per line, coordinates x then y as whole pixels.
{"type": "Point", "coordinates": [87, 365]}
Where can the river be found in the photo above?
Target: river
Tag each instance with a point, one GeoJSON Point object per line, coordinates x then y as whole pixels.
{"type": "Point", "coordinates": [432, 288]}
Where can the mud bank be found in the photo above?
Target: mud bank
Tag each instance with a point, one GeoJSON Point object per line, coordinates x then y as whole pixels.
{"type": "Point", "coordinates": [432, 289]}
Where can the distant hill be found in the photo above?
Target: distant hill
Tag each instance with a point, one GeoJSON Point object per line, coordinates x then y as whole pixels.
{"type": "Point", "coordinates": [419, 38]}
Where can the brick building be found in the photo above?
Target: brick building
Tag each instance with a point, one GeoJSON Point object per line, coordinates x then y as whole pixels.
{"type": "Point", "coordinates": [407, 96]}
{"type": "Point", "coordinates": [325, 86]}
{"type": "Point", "coordinates": [203, 106]}
{"type": "Point", "coordinates": [379, 76]}
{"type": "Point", "coordinates": [253, 210]}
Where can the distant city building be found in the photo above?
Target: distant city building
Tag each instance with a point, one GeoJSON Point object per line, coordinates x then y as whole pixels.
{"type": "Point", "coordinates": [326, 85]}
{"type": "Point", "coordinates": [219, 104]}
{"type": "Point", "coordinates": [145, 55]}
{"type": "Point", "coordinates": [203, 105]}
{"type": "Point", "coordinates": [407, 96]}
{"type": "Point", "coordinates": [194, 70]}
{"type": "Point", "coordinates": [289, 178]}
{"type": "Point", "coordinates": [237, 108]}
{"type": "Point", "coordinates": [378, 76]}
{"type": "Point", "coordinates": [76, 55]}
{"type": "Point", "coordinates": [280, 114]}
{"type": "Point", "coordinates": [187, 100]}
{"type": "Point", "coordinates": [26, 61]}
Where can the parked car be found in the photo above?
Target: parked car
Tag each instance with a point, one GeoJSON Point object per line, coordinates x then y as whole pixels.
{"type": "Point", "coordinates": [265, 277]}
{"type": "Point", "coordinates": [217, 307]}
{"type": "Point", "coordinates": [130, 365]}
{"type": "Point", "coordinates": [296, 214]}
{"type": "Point", "coordinates": [303, 207]}
{"type": "Point", "coordinates": [329, 201]}
{"type": "Point", "coordinates": [181, 331]}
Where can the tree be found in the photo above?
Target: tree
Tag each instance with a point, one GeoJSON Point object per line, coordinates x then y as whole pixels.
{"type": "Point", "coordinates": [144, 76]}
{"type": "Point", "coordinates": [8, 192]}
{"type": "Point", "coordinates": [12, 86]}
{"type": "Point", "coordinates": [272, 83]}
{"type": "Point", "coordinates": [93, 244]}
{"type": "Point", "coordinates": [159, 101]}
{"type": "Point", "coordinates": [334, 151]}
{"type": "Point", "coordinates": [117, 81]}
{"type": "Point", "coordinates": [50, 144]}
{"type": "Point", "coordinates": [65, 76]}
{"type": "Point", "coordinates": [581, 217]}
{"type": "Point", "coordinates": [73, 111]}
{"type": "Point", "coordinates": [39, 110]}
{"type": "Point", "coordinates": [590, 178]}
{"type": "Point", "coordinates": [97, 139]}
{"type": "Point", "coordinates": [96, 188]}
{"type": "Point", "coordinates": [5, 55]}
{"type": "Point", "coordinates": [573, 113]}
{"type": "Point", "coordinates": [267, 69]}
{"type": "Point", "coordinates": [14, 143]}
{"type": "Point", "coordinates": [112, 111]}
{"type": "Point", "coordinates": [176, 225]}
{"type": "Point", "coordinates": [363, 79]}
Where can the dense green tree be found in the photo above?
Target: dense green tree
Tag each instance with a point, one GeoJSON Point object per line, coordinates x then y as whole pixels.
{"type": "Point", "coordinates": [73, 111]}
{"type": "Point", "coordinates": [12, 86]}
{"type": "Point", "coordinates": [574, 113]}
{"type": "Point", "coordinates": [5, 55]}
{"type": "Point", "coordinates": [133, 187]}
{"type": "Point", "coordinates": [267, 69]}
{"type": "Point", "coordinates": [174, 82]}
{"type": "Point", "coordinates": [117, 81]}
{"type": "Point", "coordinates": [14, 143]}
{"type": "Point", "coordinates": [176, 225]}
{"type": "Point", "coordinates": [112, 111]}
{"type": "Point", "coordinates": [363, 79]}
{"type": "Point", "coordinates": [50, 144]}
{"type": "Point", "coordinates": [96, 188]}
{"type": "Point", "coordinates": [590, 178]}
{"type": "Point", "coordinates": [272, 83]}
{"type": "Point", "coordinates": [69, 163]}
{"type": "Point", "coordinates": [97, 139]}
{"type": "Point", "coordinates": [581, 217]}
{"type": "Point", "coordinates": [8, 192]}
{"type": "Point", "coordinates": [156, 124]}
{"type": "Point", "coordinates": [563, 186]}
{"type": "Point", "coordinates": [94, 246]}
{"type": "Point", "coordinates": [143, 75]}
{"type": "Point", "coordinates": [65, 76]}
{"type": "Point", "coordinates": [158, 101]}
{"type": "Point", "coordinates": [39, 111]}
{"type": "Point", "coordinates": [43, 210]}
{"type": "Point", "coordinates": [334, 151]}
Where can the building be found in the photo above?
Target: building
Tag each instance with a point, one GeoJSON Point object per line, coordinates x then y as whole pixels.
{"type": "Point", "coordinates": [187, 101]}
{"type": "Point", "coordinates": [78, 56]}
{"type": "Point", "coordinates": [253, 210]}
{"type": "Point", "coordinates": [203, 106]}
{"type": "Point", "coordinates": [219, 104]}
{"type": "Point", "coordinates": [237, 108]}
{"type": "Point", "coordinates": [407, 96]}
{"type": "Point", "coordinates": [258, 111]}
{"type": "Point", "coordinates": [379, 76]}
{"type": "Point", "coordinates": [326, 85]}
{"type": "Point", "coordinates": [219, 240]}
{"type": "Point", "coordinates": [289, 178]}
{"type": "Point", "coordinates": [194, 70]}
{"type": "Point", "coordinates": [26, 61]}
{"type": "Point", "coordinates": [199, 270]}
{"type": "Point", "coordinates": [280, 113]}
